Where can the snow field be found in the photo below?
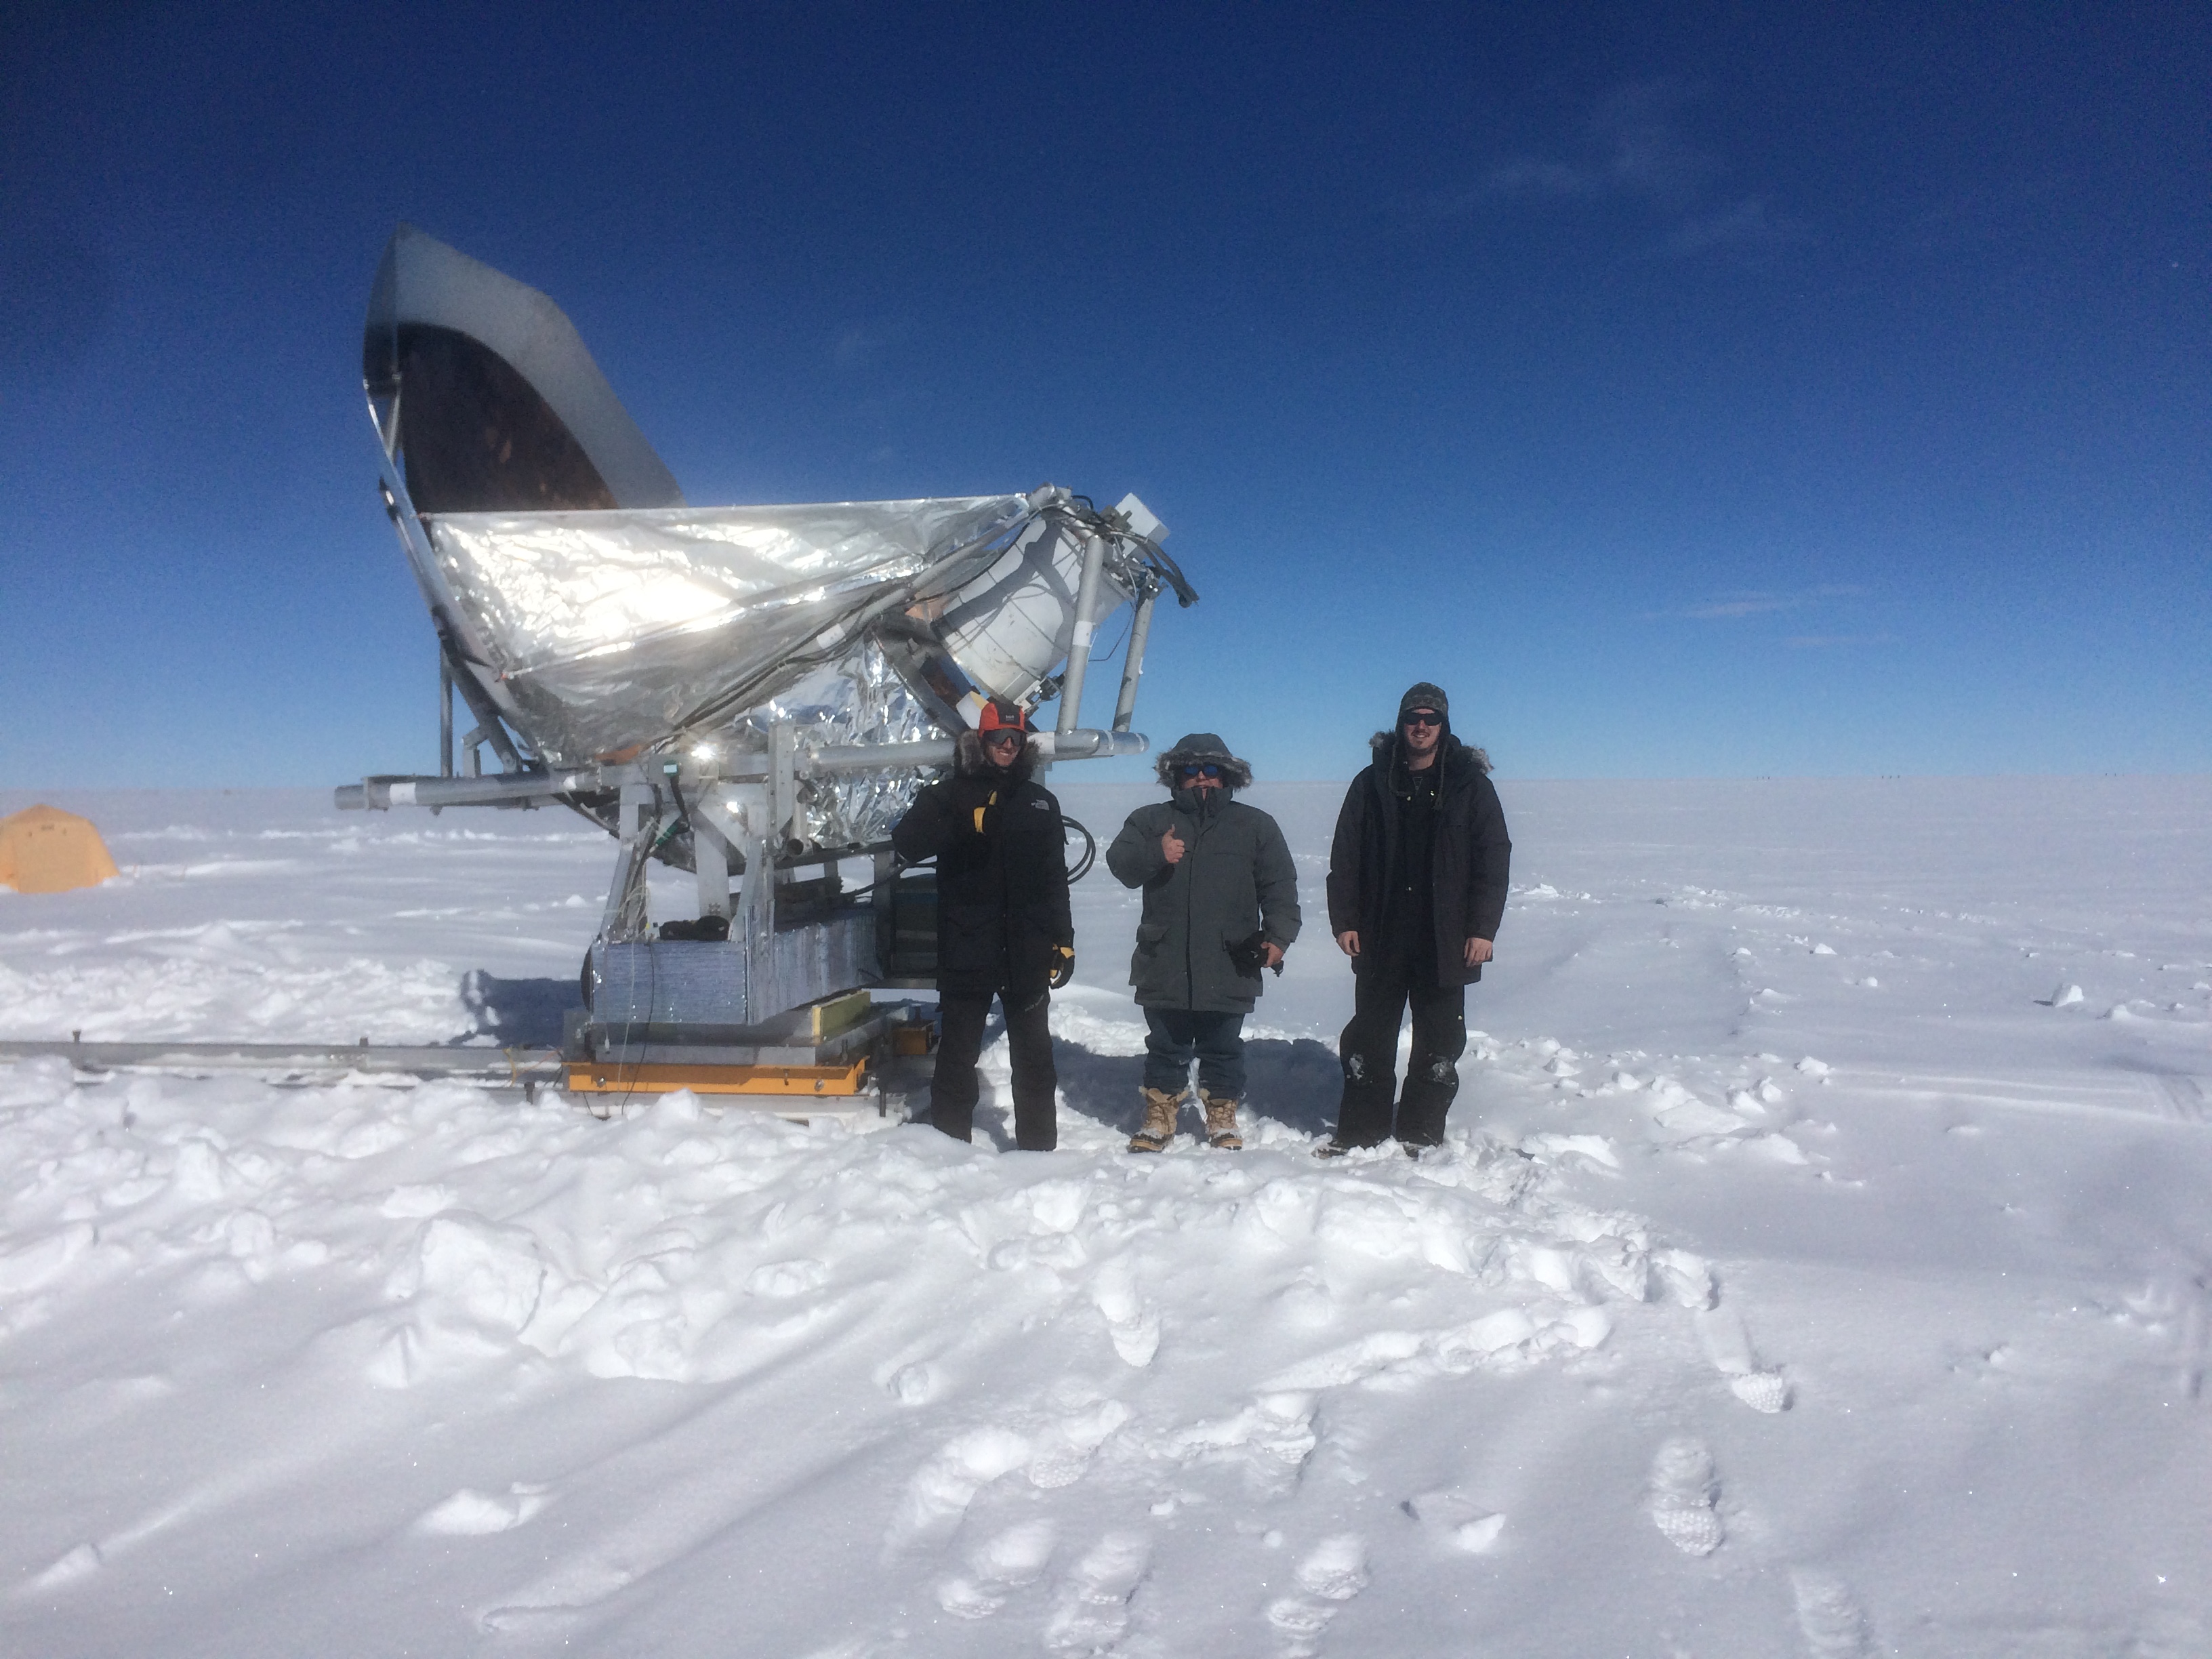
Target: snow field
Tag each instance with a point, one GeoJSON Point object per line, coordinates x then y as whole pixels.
{"type": "Point", "coordinates": [1751, 1308]}
{"type": "Point", "coordinates": [1102, 1361]}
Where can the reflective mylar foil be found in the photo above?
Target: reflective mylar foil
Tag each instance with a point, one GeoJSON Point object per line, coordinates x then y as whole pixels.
{"type": "Point", "coordinates": [857, 699]}
{"type": "Point", "coordinates": [611, 629]}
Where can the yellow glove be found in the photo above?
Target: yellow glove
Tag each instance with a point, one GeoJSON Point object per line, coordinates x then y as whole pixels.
{"type": "Point", "coordinates": [1063, 967]}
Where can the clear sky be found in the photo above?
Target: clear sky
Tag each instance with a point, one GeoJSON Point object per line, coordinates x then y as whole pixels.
{"type": "Point", "coordinates": [1693, 390]}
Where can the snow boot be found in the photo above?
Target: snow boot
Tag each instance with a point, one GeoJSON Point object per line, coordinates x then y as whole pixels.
{"type": "Point", "coordinates": [1221, 1122]}
{"type": "Point", "coordinates": [1160, 1109]}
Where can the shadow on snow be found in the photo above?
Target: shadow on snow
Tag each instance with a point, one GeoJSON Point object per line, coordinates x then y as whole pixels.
{"type": "Point", "coordinates": [521, 1013]}
{"type": "Point", "coordinates": [1295, 1083]}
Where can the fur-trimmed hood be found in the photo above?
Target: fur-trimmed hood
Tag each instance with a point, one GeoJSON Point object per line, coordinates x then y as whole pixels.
{"type": "Point", "coordinates": [1202, 746]}
{"type": "Point", "coordinates": [968, 760]}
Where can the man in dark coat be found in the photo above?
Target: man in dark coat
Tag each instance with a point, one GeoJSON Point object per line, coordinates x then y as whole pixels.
{"type": "Point", "coordinates": [1417, 881]}
{"type": "Point", "coordinates": [1221, 904]}
{"type": "Point", "coordinates": [1003, 927]}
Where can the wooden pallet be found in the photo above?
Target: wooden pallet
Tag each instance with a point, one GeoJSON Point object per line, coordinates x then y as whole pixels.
{"type": "Point", "coordinates": [590, 1076]}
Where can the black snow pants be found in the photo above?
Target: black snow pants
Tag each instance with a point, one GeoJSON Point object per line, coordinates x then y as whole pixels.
{"type": "Point", "coordinates": [1368, 1051]}
{"type": "Point", "coordinates": [953, 1088]}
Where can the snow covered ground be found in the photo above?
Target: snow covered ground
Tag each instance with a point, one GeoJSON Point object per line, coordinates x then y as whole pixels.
{"type": "Point", "coordinates": [1819, 1266]}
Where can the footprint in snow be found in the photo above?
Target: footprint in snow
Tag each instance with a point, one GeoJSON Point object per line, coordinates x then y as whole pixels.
{"type": "Point", "coordinates": [1018, 1555]}
{"type": "Point", "coordinates": [1064, 1451]}
{"type": "Point", "coordinates": [1300, 1623]}
{"type": "Point", "coordinates": [1682, 1494]}
{"type": "Point", "coordinates": [1333, 1573]}
{"type": "Point", "coordinates": [1093, 1614]}
{"type": "Point", "coordinates": [1133, 1326]}
{"type": "Point", "coordinates": [1728, 1344]}
{"type": "Point", "coordinates": [1763, 1391]}
{"type": "Point", "coordinates": [1271, 1439]}
{"type": "Point", "coordinates": [1337, 1569]}
{"type": "Point", "coordinates": [964, 1598]}
{"type": "Point", "coordinates": [912, 1385]}
{"type": "Point", "coordinates": [1827, 1615]}
{"type": "Point", "coordinates": [1687, 1278]}
{"type": "Point", "coordinates": [937, 1495]}
{"type": "Point", "coordinates": [1014, 1557]}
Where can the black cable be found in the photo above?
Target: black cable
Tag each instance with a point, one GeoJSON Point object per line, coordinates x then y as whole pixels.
{"type": "Point", "coordinates": [1107, 653]}
{"type": "Point", "coordinates": [1082, 868]}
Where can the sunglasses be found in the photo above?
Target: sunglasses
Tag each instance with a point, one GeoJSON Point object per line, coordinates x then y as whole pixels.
{"type": "Point", "coordinates": [1208, 770]}
{"type": "Point", "coordinates": [1423, 717]}
{"type": "Point", "coordinates": [1004, 735]}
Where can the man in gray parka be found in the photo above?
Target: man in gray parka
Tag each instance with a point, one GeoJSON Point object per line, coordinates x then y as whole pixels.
{"type": "Point", "coordinates": [1221, 904]}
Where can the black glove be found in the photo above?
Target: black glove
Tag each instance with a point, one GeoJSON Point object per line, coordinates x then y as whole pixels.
{"type": "Point", "coordinates": [1063, 966]}
{"type": "Point", "coordinates": [1248, 955]}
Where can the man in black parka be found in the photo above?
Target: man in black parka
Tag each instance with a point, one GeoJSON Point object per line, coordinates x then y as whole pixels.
{"type": "Point", "coordinates": [1221, 904]}
{"type": "Point", "coordinates": [1417, 882]}
{"type": "Point", "coordinates": [1003, 927]}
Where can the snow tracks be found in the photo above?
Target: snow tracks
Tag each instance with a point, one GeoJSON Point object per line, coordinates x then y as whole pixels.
{"type": "Point", "coordinates": [620, 1383]}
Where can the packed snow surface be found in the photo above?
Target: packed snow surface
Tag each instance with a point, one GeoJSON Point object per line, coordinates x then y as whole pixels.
{"type": "Point", "coordinates": [1818, 1265]}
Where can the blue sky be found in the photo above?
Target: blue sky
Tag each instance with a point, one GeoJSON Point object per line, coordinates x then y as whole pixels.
{"type": "Point", "coordinates": [1693, 391]}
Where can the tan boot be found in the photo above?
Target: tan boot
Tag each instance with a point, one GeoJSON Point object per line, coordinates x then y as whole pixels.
{"type": "Point", "coordinates": [1160, 1109]}
{"type": "Point", "coordinates": [1221, 1122]}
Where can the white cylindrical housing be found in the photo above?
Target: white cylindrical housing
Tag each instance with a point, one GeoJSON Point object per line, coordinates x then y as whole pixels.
{"type": "Point", "coordinates": [1009, 627]}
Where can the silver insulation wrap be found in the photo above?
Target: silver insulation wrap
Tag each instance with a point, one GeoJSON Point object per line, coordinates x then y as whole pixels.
{"type": "Point", "coordinates": [859, 699]}
{"type": "Point", "coordinates": [614, 629]}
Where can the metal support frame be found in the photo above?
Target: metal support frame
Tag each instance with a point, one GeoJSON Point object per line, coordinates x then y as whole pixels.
{"type": "Point", "coordinates": [883, 899]}
{"type": "Point", "coordinates": [1132, 658]}
{"type": "Point", "coordinates": [444, 713]}
{"type": "Point", "coordinates": [711, 853]}
{"type": "Point", "coordinates": [744, 810]}
{"type": "Point", "coordinates": [752, 922]}
{"type": "Point", "coordinates": [1078, 642]}
{"type": "Point", "coordinates": [515, 789]}
{"type": "Point", "coordinates": [413, 541]}
{"type": "Point", "coordinates": [782, 785]}
{"type": "Point", "coordinates": [637, 824]}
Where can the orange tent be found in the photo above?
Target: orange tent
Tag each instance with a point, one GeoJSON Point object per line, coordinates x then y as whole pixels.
{"type": "Point", "coordinates": [44, 850]}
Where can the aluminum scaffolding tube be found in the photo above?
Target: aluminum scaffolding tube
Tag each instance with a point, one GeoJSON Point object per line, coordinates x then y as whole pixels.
{"type": "Point", "coordinates": [514, 788]}
{"type": "Point", "coordinates": [1132, 658]}
{"type": "Point", "coordinates": [1078, 643]}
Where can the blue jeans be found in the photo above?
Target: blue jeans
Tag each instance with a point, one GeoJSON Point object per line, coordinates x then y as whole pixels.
{"type": "Point", "coordinates": [1173, 1035]}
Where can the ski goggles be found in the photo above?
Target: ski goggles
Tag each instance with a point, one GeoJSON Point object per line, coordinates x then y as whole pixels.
{"type": "Point", "coordinates": [1208, 769]}
{"type": "Point", "coordinates": [1421, 717]}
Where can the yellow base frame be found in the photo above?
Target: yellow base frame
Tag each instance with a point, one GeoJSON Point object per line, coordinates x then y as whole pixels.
{"type": "Point", "coordinates": [594, 1078]}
